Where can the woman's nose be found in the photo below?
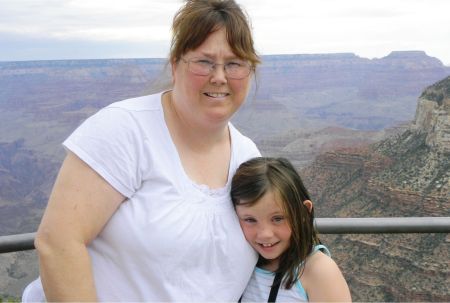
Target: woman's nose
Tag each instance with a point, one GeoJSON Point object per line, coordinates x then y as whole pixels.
{"type": "Point", "coordinates": [218, 75]}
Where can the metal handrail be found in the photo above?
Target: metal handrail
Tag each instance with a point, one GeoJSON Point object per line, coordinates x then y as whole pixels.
{"type": "Point", "coordinates": [388, 225]}
{"type": "Point", "coordinates": [18, 242]}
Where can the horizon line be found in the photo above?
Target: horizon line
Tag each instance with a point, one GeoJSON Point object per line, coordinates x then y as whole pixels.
{"type": "Point", "coordinates": [261, 55]}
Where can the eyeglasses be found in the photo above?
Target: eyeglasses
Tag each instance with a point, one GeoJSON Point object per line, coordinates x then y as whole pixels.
{"type": "Point", "coordinates": [235, 69]}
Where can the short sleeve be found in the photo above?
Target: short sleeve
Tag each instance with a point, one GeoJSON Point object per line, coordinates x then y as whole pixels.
{"type": "Point", "coordinates": [111, 143]}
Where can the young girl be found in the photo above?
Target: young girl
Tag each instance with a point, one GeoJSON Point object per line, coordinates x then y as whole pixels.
{"type": "Point", "coordinates": [277, 218]}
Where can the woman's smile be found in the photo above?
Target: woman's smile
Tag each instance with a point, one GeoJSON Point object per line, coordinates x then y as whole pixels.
{"type": "Point", "coordinates": [216, 95]}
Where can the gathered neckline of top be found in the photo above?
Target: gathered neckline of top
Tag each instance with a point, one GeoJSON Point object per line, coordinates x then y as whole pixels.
{"type": "Point", "coordinates": [212, 192]}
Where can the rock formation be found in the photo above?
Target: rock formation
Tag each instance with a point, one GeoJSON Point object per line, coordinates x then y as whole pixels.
{"type": "Point", "coordinates": [405, 175]}
{"type": "Point", "coordinates": [432, 115]}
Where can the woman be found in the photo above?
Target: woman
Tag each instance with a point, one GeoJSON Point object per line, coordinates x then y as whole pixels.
{"type": "Point", "coordinates": [140, 210]}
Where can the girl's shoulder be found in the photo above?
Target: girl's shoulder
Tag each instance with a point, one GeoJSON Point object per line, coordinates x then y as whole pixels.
{"type": "Point", "coordinates": [322, 276]}
{"type": "Point", "coordinates": [319, 264]}
{"type": "Point", "coordinates": [318, 261]}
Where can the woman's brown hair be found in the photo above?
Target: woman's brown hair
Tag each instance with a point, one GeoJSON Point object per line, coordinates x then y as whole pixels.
{"type": "Point", "coordinates": [193, 23]}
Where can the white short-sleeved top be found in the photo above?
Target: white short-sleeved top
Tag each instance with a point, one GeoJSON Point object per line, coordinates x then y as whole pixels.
{"type": "Point", "coordinates": [172, 239]}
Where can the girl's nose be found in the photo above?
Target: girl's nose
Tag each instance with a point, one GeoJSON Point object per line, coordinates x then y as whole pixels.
{"type": "Point", "coordinates": [265, 232]}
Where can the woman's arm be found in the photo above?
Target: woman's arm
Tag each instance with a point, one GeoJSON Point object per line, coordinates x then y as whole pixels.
{"type": "Point", "coordinates": [323, 280]}
{"type": "Point", "coordinates": [79, 206]}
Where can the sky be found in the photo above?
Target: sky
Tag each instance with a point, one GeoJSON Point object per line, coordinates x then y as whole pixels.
{"type": "Point", "coordinates": [91, 29]}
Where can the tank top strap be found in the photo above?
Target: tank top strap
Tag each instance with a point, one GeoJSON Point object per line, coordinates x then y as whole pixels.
{"type": "Point", "coordinates": [322, 248]}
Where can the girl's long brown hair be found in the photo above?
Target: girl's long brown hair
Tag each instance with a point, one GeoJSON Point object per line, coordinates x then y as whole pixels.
{"type": "Point", "coordinates": [259, 175]}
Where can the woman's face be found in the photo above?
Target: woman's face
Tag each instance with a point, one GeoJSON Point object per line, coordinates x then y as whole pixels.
{"type": "Point", "coordinates": [208, 100]}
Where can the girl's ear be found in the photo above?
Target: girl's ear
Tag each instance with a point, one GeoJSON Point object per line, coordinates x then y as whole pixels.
{"type": "Point", "coordinates": [308, 204]}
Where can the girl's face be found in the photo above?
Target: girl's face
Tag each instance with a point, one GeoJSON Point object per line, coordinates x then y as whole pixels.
{"type": "Point", "coordinates": [208, 100]}
{"type": "Point", "coordinates": [266, 228]}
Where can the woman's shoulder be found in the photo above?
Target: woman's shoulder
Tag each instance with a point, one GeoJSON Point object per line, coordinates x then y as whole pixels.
{"type": "Point", "coordinates": [243, 145]}
{"type": "Point", "coordinates": [127, 115]}
{"type": "Point", "coordinates": [141, 103]}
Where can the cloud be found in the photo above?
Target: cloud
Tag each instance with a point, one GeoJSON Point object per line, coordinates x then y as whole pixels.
{"type": "Point", "coordinates": [131, 20]}
{"type": "Point", "coordinates": [367, 28]}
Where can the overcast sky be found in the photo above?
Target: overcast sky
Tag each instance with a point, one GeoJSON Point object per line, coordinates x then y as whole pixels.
{"type": "Point", "coordinates": [82, 29]}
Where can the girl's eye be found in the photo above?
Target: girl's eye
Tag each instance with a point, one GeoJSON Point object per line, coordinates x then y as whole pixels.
{"type": "Point", "coordinates": [249, 220]}
{"type": "Point", "coordinates": [278, 219]}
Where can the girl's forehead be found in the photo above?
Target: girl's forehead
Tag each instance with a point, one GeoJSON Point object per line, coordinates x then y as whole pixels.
{"type": "Point", "coordinates": [269, 202]}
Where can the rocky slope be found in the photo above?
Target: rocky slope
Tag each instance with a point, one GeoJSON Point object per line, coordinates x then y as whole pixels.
{"type": "Point", "coordinates": [405, 175]}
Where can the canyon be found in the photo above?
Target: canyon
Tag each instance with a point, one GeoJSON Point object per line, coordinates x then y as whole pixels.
{"type": "Point", "coordinates": [369, 136]}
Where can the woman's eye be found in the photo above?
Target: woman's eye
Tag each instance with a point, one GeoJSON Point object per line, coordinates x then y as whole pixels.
{"type": "Point", "coordinates": [249, 220]}
{"type": "Point", "coordinates": [204, 62]}
{"type": "Point", "coordinates": [234, 64]}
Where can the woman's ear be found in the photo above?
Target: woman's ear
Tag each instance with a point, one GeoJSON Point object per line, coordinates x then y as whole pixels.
{"type": "Point", "coordinates": [173, 67]}
{"type": "Point", "coordinates": [308, 204]}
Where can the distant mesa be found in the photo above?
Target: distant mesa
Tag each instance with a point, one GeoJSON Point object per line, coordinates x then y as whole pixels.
{"type": "Point", "coordinates": [394, 55]}
{"type": "Point", "coordinates": [407, 54]}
